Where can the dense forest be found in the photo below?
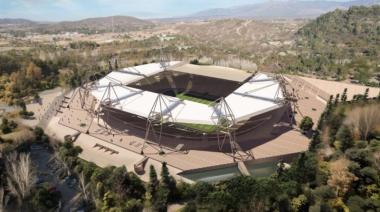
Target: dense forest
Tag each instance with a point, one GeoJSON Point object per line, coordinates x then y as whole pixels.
{"type": "Point", "coordinates": [342, 44]}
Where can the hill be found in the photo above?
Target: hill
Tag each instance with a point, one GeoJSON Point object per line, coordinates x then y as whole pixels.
{"type": "Point", "coordinates": [341, 43]}
{"type": "Point", "coordinates": [15, 21]}
{"type": "Point", "coordinates": [88, 26]}
{"type": "Point", "coordinates": [279, 9]}
{"type": "Point", "coordinates": [99, 24]}
{"type": "Point", "coordinates": [358, 26]}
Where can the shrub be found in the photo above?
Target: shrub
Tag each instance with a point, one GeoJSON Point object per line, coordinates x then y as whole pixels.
{"type": "Point", "coordinates": [194, 62]}
{"type": "Point", "coordinates": [45, 200]}
{"type": "Point", "coordinates": [360, 156]}
{"type": "Point", "coordinates": [133, 205]}
{"type": "Point", "coordinates": [356, 203]}
{"type": "Point", "coordinates": [370, 175]}
{"type": "Point", "coordinates": [306, 124]}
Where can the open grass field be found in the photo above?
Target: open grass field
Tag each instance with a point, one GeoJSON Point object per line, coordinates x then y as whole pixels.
{"type": "Point", "coordinates": [201, 127]}
{"type": "Point", "coordinates": [198, 127]}
{"type": "Point", "coordinates": [194, 99]}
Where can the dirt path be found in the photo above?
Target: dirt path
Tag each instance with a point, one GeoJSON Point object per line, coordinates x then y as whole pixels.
{"type": "Point", "coordinates": [245, 24]}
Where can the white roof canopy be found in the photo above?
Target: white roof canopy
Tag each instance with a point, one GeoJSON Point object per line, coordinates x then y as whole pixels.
{"type": "Point", "coordinates": [259, 95]}
{"type": "Point", "coordinates": [129, 75]}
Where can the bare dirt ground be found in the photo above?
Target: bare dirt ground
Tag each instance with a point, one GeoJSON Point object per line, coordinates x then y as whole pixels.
{"type": "Point", "coordinates": [333, 88]}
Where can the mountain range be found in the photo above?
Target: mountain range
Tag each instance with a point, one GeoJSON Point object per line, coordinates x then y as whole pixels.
{"type": "Point", "coordinates": [89, 25]}
{"type": "Point", "coordinates": [288, 9]}
{"type": "Point", "coordinates": [272, 9]}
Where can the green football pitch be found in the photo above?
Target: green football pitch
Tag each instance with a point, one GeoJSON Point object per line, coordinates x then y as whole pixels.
{"type": "Point", "coordinates": [198, 127]}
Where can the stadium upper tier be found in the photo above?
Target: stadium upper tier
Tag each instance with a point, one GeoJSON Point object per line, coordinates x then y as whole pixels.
{"type": "Point", "coordinates": [129, 75]}
{"type": "Point", "coordinates": [256, 96]}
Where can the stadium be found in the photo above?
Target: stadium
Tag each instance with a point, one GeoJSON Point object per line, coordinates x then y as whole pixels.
{"type": "Point", "coordinates": [183, 107]}
{"type": "Point", "coordinates": [206, 122]}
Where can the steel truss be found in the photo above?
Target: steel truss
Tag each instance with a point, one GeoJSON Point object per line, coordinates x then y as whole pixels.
{"type": "Point", "coordinates": [158, 116]}
{"type": "Point", "coordinates": [226, 130]}
{"type": "Point", "coordinates": [107, 101]}
{"type": "Point", "coordinates": [84, 90]}
{"type": "Point", "coordinates": [290, 97]}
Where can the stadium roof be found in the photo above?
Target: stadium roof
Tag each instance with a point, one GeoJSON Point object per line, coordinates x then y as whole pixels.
{"type": "Point", "coordinates": [214, 72]}
{"type": "Point", "coordinates": [258, 95]}
{"type": "Point", "coordinates": [129, 75]}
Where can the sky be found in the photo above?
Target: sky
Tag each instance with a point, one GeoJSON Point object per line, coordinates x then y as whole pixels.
{"type": "Point", "coordinates": [58, 10]}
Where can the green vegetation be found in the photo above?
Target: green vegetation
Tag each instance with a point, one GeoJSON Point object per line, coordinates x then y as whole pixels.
{"type": "Point", "coordinates": [194, 62]}
{"type": "Point", "coordinates": [200, 127]}
{"type": "Point", "coordinates": [22, 76]}
{"type": "Point", "coordinates": [107, 188]}
{"type": "Point", "coordinates": [7, 126]}
{"type": "Point", "coordinates": [183, 96]}
{"type": "Point", "coordinates": [84, 45]}
{"type": "Point", "coordinates": [45, 199]}
{"type": "Point", "coordinates": [340, 44]}
{"type": "Point", "coordinates": [18, 176]}
{"type": "Point", "coordinates": [306, 124]}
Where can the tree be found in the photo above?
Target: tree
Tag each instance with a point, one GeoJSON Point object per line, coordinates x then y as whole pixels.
{"type": "Point", "coordinates": [21, 103]}
{"type": "Point", "coordinates": [344, 96]}
{"type": "Point", "coordinates": [306, 124]}
{"type": "Point", "coordinates": [315, 141]}
{"type": "Point", "coordinates": [194, 62]}
{"type": "Point", "coordinates": [153, 182]}
{"type": "Point", "coordinates": [365, 96]}
{"type": "Point", "coordinates": [167, 180]}
{"type": "Point", "coordinates": [5, 126]}
{"type": "Point", "coordinates": [202, 189]}
{"type": "Point", "coordinates": [21, 176]}
{"type": "Point", "coordinates": [336, 101]}
{"type": "Point", "coordinates": [304, 169]}
{"type": "Point", "coordinates": [109, 201]}
{"type": "Point", "coordinates": [38, 132]}
{"type": "Point", "coordinates": [364, 120]}
{"type": "Point", "coordinates": [132, 186]}
{"type": "Point", "coordinates": [44, 200]}
{"type": "Point", "coordinates": [119, 180]}
{"type": "Point", "coordinates": [345, 137]}
{"type": "Point", "coordinates": [340, 178]}
{"type": "Point", "coordinates": [220, 201]}
{"type": "Point", "coordinates": [33, 71]}
{"type": "Point", "coordinates": [160, 203]}
{"type": "Point", "coordinates": [134, 205]}
{"type": "Point", "coordinates": [84, 189]}
{"type": "Point", "coordinates": [299, 203]}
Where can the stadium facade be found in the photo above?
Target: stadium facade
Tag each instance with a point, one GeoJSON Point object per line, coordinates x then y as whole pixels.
{"type": "Point", "coordinates": [186, 107]}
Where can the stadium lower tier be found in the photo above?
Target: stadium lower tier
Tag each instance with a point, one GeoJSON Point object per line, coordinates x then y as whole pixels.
{"type": "Point", "coordinates": [249, 134]}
